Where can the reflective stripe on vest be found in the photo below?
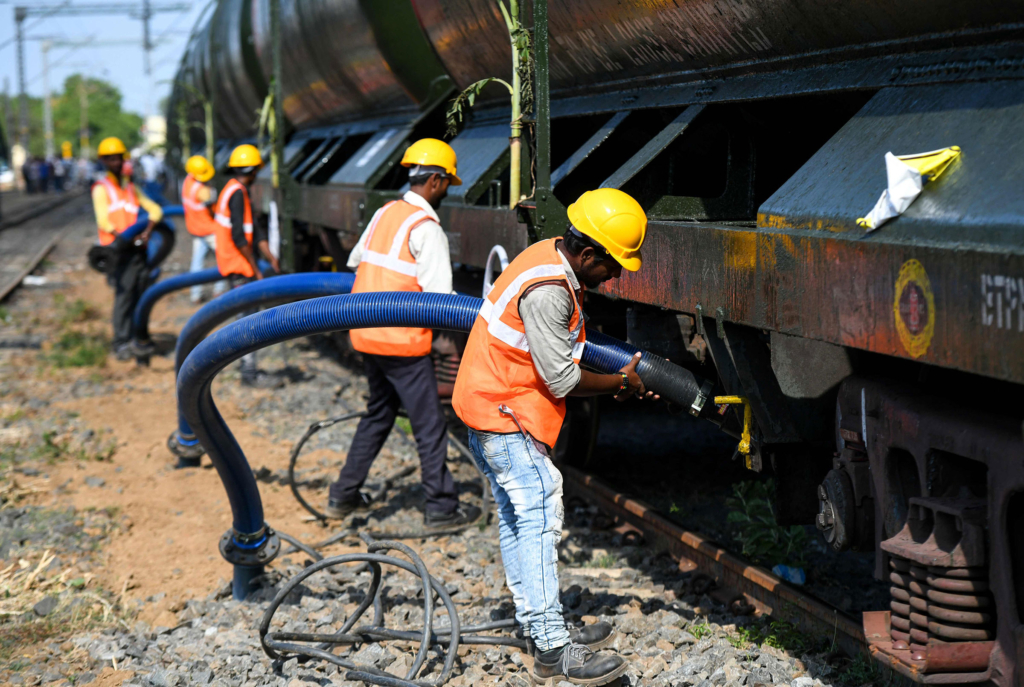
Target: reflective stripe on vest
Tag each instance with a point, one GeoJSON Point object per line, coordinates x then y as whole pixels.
{"type": "Point", "coordinates": [198, 221]}
{"type": "Point", "coordinates": [497, 367]}
{"type": "Point", "coordinates": [229, 259]}
{"type": "Point", "coordinates": [387, 264]}
{"type": "Point", "coordinates": [122, 208]}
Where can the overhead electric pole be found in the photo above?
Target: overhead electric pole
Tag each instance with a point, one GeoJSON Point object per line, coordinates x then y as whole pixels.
{"type": "Point", "coordinates": [144, 11]}
{"type": "Point", "coordinates": [47, 105]}
{"type": "Point", "coordinates": [19, 18]}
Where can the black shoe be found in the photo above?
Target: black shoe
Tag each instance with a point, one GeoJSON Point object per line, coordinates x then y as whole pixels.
{"type": "Point", "coordinates": [262, 380]}
{"type": "Point", "coordinates": [142, 349]}
{"type": "Point", "coordinates": [462, 515]}
{"type": "Point", "coordinates": [594, 637]}
{"type": "Point", "coordinates": [577, 664]}
{"type": "Point", "coordinates": [342, 509]}
{"type": "Point", "coordinates": [124, 352]}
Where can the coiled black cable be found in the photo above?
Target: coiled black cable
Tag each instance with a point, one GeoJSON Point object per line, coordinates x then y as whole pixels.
{"type": "Point", "coordinates": [279, 645]}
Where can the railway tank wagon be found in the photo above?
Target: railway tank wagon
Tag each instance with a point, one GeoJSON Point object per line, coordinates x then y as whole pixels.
{"type": "Point", "coordinates": [883, 369]}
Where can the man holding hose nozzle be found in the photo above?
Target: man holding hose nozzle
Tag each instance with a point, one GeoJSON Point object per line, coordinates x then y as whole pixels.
{"type": "Point", "coordinates": [405, 249]}
{"type": "Point", "coordinates": [521, 361]}
{"type": "Point", "coordinates": [234, 242]}
{"type": "Point", "coordinates": [126, 220]}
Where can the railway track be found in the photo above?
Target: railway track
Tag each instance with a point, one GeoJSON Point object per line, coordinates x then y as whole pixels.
{"type": "Point", "coordinates": [24, 245]}
{"type": "Point", "coordinates": [735, 579]}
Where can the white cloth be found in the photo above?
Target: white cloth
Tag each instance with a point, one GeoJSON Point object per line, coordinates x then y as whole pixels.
{"type": "Point", "coordinates": [546, 311]}
{"type": "Point", "coordinates": [429, 246]}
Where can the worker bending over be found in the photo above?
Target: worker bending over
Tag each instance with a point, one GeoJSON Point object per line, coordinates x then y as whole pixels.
{"type": "Point", "coordinates": [116, 202]}
{"type": "Point", "coordinates": [234, 239]}
{"type": "Point", "coordinates": [404, 249]}
{"type": "Point", "coordinates": [521, 361]}
{"type": "Point", "coordinates": [197, 197]}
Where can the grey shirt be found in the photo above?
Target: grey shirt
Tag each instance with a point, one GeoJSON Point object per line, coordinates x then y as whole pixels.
{"type": "Point", "coordinates": [546, 311]}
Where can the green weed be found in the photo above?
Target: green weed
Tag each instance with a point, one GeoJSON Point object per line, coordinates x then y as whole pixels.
{"type": "Point", "coordinates": [762, 538]}
{"type": "Point", "coordinates": [701, 630]}
{"type": "Point", "coordinates": [77, 310]}
{"type": "Point", "coordinates": [778, 634]}
{"type": "Point", "coordinates": [861, 671]}
{"type": "Point", "coordinates": [404, 425]}
{"type": "Point", "coordinates": [75, 349]}
{"type": "Point", "coordinates": [5, 314]}
{"type": "Point", "coordinates": [603, 561]}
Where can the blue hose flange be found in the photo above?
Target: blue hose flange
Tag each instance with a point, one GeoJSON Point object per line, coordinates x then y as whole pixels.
{"type": "Point", "coordinates": [336, 313]}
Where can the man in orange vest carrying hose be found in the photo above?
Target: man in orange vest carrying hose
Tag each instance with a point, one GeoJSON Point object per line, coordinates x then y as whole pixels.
{"type": "Point", "coordinates": [521, 361]}
{"type": "Point", "coordinates": [116, 202]}
{"type": "Point", "coordinates": [237, 238]}
{"type": "Point", "coordinates": [196, 199]}
{"type": "Point", "coordinates": [404, 249]}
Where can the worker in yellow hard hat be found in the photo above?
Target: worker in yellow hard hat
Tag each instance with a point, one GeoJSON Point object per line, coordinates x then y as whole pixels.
{"type": "Point", "coordinates": [404, 249]}
{"type": "Point", "coordinates": [238, 237]}
{"type": "Point", "coordinates": [521, 361]}
{"type": "Point", "coordinates": [197, 199]}
{"type": "Point", "coordinates": [126, 220]}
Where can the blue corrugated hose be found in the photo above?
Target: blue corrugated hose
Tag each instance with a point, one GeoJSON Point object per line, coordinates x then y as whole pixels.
{"type": "Point", "coordinates": [283, 289]}
{"type": "Point", "coordinates": [140, 320]}
{"type": "Point", "coordinates": [335, 313]}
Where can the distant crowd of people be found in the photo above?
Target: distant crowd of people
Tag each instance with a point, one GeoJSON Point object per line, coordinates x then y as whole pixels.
{"type": "Point", "coordinates": [53, 174]}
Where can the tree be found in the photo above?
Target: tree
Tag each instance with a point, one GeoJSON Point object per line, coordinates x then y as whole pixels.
{"type": "Point", "coordinates": [104, 116]}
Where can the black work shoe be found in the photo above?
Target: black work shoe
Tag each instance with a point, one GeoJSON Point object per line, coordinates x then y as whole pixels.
{"type": "Point", "coordinates": [594, 637]}
{"type": "Point", "coordinates": [262, 380]}
{"type": "Point", "coordinates": [577, 664]}
{"type": "Point", "coordinates": [462, 515]}
{"type": "Point", "coordinates": [342, 509]}
{"type": "Point", "coordinates": [142, 349]}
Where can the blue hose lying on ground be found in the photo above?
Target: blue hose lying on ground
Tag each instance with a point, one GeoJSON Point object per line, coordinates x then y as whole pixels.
{"type": "Point", "coordinates": [140, 319]}
{"type": "Point", "coordinates": [283, 289]}
{"type": "Point", "coordinates": [249, 544]}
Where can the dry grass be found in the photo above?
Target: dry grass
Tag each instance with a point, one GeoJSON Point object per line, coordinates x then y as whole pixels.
{"type": "Point", "coordinates": [78, 606]}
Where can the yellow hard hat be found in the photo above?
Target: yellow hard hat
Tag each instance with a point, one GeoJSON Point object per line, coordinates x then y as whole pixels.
{"type": "Point", "coordinates": [430, 151]}
{"type": "Point", "coordinates": [245, 155]}
{"type": "Point", "coordinates": [614, 220]}
{"type": "Point", "coordinates": [199, 167]}
{"type": "Point", "coordinates": [111, 146]}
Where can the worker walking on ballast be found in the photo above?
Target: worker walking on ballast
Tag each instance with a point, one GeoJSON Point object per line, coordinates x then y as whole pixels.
{"type": "Point", "coordinates": [521, 361]}
{"type": "Point", "coordinates": [404, 249]}
{"type": "Point", "coordinates": [237, 239]}
{"type": "Point", "coordinates": [197, 198]}
{"type": "Point", "coordinates": [117, 203]}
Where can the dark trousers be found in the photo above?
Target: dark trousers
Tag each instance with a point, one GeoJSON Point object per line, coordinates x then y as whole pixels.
{"type": "Point", "coordinates": [409, 383]}
{"type": "Point", "coordinates": [129, 280]}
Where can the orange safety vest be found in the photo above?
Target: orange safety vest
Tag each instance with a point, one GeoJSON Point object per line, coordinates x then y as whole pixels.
{"type": "Point", "coordinates": [122, 208]}
{"type": "Point", "coordinates": [497, 367]}
{"type": "Point", "coordinates": [387, 264]}
{"type": "Point", "coordinates": [198, 221]}
{"type": "Point", "coordinates": [229, 259]}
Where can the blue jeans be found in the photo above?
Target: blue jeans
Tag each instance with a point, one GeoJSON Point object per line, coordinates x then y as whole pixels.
{"type": "Point", "coordinates": [527, 492]}
{"type": "Point", "coordinates": [200, 246]}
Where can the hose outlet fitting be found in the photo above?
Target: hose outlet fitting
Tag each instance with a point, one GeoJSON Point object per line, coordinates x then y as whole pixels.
{"type": "Point", "coordinates": [252, 550]}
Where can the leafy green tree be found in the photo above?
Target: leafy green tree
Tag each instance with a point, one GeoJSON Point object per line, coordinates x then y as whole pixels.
{"type": "Point", "coordinates": [105, 116]}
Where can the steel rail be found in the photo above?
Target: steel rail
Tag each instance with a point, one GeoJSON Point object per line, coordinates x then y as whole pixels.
{"type": "Point", "coordinates": [766, 592]}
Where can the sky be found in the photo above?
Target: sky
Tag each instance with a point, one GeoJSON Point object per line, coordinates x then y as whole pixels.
{"type": "Point", "coordinates": [121, 65]}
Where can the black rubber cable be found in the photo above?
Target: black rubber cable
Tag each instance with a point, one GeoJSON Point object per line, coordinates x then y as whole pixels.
{"type": "Point", "coordinates": [278, 645]}
{"type": "Point", "coordinates": [485, 486]}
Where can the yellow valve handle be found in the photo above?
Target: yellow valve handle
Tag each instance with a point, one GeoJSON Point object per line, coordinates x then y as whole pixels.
{"type": "Point", "coordinates": [748, 421]}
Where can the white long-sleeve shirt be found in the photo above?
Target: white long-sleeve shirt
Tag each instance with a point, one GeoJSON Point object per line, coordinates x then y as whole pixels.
{"type": "Point", "coordinates": [428, 244]}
